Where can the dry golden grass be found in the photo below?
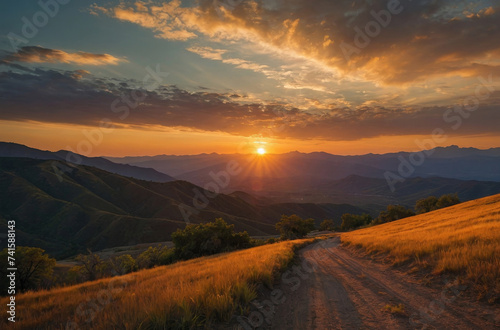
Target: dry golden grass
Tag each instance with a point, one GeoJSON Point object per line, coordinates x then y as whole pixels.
{"type": "Point", "coordinates": [183, 295]}
{"type": "Point", "coordinates": [463, 239]}
{"type": "Point", "coordinates": [396, 309]}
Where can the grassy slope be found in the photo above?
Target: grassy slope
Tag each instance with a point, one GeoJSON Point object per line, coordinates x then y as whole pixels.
{"type": "Point", "coordinates": [463, 239]}
{"type": "Point", "coordinates": [195, 292]}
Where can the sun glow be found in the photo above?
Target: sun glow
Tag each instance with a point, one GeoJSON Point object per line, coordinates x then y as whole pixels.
{"type": "Point", "coordinates": [261, 151]}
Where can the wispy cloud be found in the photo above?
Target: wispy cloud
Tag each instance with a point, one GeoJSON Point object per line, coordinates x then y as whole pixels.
{"type": "Point", "coordinates": [168, 20]}
{"type": "Point", "coordinates": [293, 76]}
{"type": "Point", "coordinates": [208, 52]}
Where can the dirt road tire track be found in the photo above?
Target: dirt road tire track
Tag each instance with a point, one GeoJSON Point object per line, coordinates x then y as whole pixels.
{"type": "Point", "coordinates": [348, 292]}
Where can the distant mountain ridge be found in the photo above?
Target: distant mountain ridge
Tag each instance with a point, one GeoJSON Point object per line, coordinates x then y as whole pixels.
{"type": "Point", "coordinates": [448, 162]}
{"type": "Point", "coordinates": [93, 208]}
{"type": "Point", "coordinates": [363, 191]}
{"type": "Point", "coordinates": [320, 177]}
{"type": "Point", "coordinates": [8, 149]}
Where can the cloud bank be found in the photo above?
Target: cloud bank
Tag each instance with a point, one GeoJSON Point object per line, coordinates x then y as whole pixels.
{"type": "Point", "coordinates": [77, 97]}
{"type": "Point", "coordinates": [37, 54]}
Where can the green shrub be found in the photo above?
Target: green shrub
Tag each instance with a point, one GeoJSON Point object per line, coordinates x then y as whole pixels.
{"type": "Point", "coordinates": [155, 256]}
{"type": "Point", "coordinates": [123, 264]}
{"type": "Point", "coordinates": [293, 226]}
{"type": "Point", "coordinates": [92, 266]}
{"type": "Point", "coordinates": [272, 240]}
{"type": "Point", "coordinates": [393, 212]}
{"type": "Point", "coordinates": [205, 239]}
{"type": "Point", "coordinates": [425, 205]}
{"type": "Point", "coordinates": [353, 221]}
{"type": "Point", "coordinates": [447, 200]}
{"type": "Point", "coordinates": [34, 268]}
{"type": "Point", "coordinates": [432, 203]}
{"type": "Point", "coordinates": [327, 225]}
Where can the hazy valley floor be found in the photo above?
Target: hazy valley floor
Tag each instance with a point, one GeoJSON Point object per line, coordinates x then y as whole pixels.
{"type": "Point", "coordinates": [349, 292]}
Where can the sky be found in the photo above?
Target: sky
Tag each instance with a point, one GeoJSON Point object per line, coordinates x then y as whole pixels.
{"type": "Point", "coordinates": [122, 78]}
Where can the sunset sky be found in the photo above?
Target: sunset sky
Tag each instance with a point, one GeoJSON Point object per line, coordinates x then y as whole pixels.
{"type": "Point", "coordinates": [226, 76]}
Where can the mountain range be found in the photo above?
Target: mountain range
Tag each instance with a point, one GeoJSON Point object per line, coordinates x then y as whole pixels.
{"type": "Point", "coordinates": [65, 202]}
{"type": "Point", "coordinates": [18, 150]}
{"type": "Point", "coordinates": [447, 162]}
{"type": "Point", "coordinates": [93, 208]}
{"type": "Point", "coordinates": [363, 180]}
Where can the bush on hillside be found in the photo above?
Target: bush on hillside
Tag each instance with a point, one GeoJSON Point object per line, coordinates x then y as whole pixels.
{"type": "Point", "coordinates": [91, 267]}
{"type": "Point", "coordinates": [123, 264]}
{"type": "Point", "coordinates": [393, 213]}
{"type": "Point", "coordinates": [34, 268]}
{"type": "Point", "coordinates": [293, 226]}
{"type": "Point", "coordinates": [327, 225]}
{"type": "Point", "coordinates": [432, 203]}
{"type": "Point", "coordinates": [155, 256]}
{"type": "Point", "coordinates": [198, 240]}
{"type": "Point", "coordinates": [353, 221]}
{"type": "Point", "coordinates": [272, 240]}
{"type": "Point", "coordinates": [448, 200]}
{"type": "Point", "coordinates": [425, 205]}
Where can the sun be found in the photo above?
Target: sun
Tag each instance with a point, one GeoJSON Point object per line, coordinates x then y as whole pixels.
{"type": "Point", "coordinates": [261, 151]}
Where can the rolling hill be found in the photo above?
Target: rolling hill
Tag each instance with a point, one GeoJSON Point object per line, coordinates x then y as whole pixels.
{"type": "Point", "coordinates": [97, 209]}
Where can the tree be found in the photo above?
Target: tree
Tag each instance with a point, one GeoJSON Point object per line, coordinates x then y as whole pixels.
{"type": "Point", "coordinates": [327, 225]}
{"type": "Point", "coordinates": [447, 200]}
{"type": "Point", "coordinates": [433, 203]}
{"type": "Point", "coordinates": [92, 266]}
{"type": "Point", "coordinates": [34, 267]}
{"type": "Point", "coordinates": [293, 226]}
{"type": "Point", "coordinates": [155, 256]}
{"type": "Point", "coordinates": [123, 264]}
{"type": "Point", "coordinates": [425, 205]}
{"type": "Point", "coordinates": [205, 239]}
{"type": "Point", "coordinates": [352, 221]}
{"type": "Point", "coordinates": [394, 212]}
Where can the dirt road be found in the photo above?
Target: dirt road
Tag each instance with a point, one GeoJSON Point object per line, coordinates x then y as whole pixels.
{"type": "Point", "coordinates": [334, 289]}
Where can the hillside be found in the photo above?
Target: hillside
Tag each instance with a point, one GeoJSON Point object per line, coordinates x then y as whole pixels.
{"type": "Point", "coordinates": [463, 239]}
{"type": "Point", "coordinates": [185, 295]}
{"type": "Point", "coordinates": [98, 209]}
{"type": "Point", "coordinates": [19, 150]}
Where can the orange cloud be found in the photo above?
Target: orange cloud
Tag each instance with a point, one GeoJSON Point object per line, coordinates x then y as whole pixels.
{"type": "Point", "coordinates": [316, 30]}
{"type": "Point", "coordinates": [36, 54]}
{"type": "Point", "coordinates": [208, 52]}
{"type": "Point", "coordinates": [167, 20]}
